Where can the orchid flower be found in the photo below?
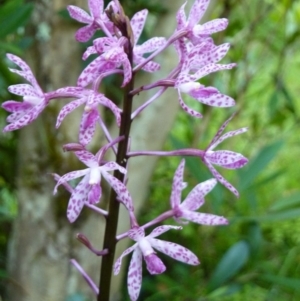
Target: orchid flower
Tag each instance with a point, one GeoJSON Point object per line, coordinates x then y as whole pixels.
{"type": "Point", "coordinates": [193, 201]}
{"type": "Point", "coordinates": [203, 58]}
{"type": "Point", "coordinates": [89, 189]}
{"type": "Point", "coordinates": [112, 56]}
{"type": "Point", "coordinates": [97, 20]}
{"type": "Point", "coordinates": [198, 32]}
{"type": "Point", "coordinates": [111, 50]}
{"type": "Point", "coordinates": [91, 115]}
{"type": "Point", "coordinates": [34, 99]}
{"type": "Point", "coordinates": [137, 24]}
{"type": "Point", "coordinates": [225, 158]}
{"type": "Point", "coordinates": [144, 248]}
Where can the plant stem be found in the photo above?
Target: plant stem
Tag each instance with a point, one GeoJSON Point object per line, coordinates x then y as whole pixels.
{"type": "Point", "coordinates": [110, 240]}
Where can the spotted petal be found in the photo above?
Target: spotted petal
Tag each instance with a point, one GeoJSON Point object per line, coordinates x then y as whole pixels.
{"type": "Point", "coordinates": [204, 218]}
{"type": "Point", "coordinates": [226, 159]}
{"type": "Point", "coordinates": [210, 27]}
{"type": "Point", "coordinates": [67, 109]}
{"type": "Point", "coordinates": [121, 190]}
{"type": "Point", "coordinates": [162, 229]}
{"type": "Point", "coordinates": [212, 97]}
{"type": "Point", "coordinates": [175, 251]}
{"type": "Point", "coordinates": [134, 277]}
{"type": "Point", "coordinates": [197, 11]}
{"type": "Point", "coordinates": [226, 136]}
{"type": "Point", "coordinates": [117, 265]}
{"type": "Point", "coordinates": [177, 185]}
{"type": "Point", "coordinates": [88, 126]}
{"type": "Point", "coordinates": [70, 176]}
{"type": "Point", "coordinates": [77, 199]}
{"type": "Point", "coordinates": [220, 178]}
{"type": "Point", "coordinates": [79, 14]}
{"type": "Point", "coordinates": [186, 108]}
{"type": "Point", "coordinates": [138, 22]}
{"type": "Point", "coordinates": [195, 198]}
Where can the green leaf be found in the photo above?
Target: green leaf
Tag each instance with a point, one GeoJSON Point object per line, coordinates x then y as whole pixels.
{"type": "Point", "coordinates": [272, 217]}
{"type": "Point", "coordinates": [11, 48]}
{"type": "Point", "coordinates": [14, 15]}
{"type": "Point", "coordinates": [233, 260]}
{"type": "Point", "coordinates": [258, 164]}
{"type": "Point", "coordinates": [293, 283]}
{"type": "Point", "coordinates": [286, 202]}
{"type": "Point", "coordinates": [3, 273]}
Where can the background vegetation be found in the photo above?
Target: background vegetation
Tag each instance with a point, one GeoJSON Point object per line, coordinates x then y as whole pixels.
{"type": "Point", "coordinates": [257, 255]}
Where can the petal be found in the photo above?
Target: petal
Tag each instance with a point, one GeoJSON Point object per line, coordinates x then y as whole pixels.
{"type": "Point", "coordinates": [88, 126]}
{"type": "Point", "coordinates": [79, 14]}
{"type": "Point", "coordinates": [87, 158]}
{"type": "Point", "coordinates": [195, 198]}
{"type": "Point", "coordinates": [123, 194]}
{"type": "Point", "coordinates": [226, 159]}
{"type": "Point", "coordinates": [92, 71]}
{"type": "Point", "coordinates": [212, 97]}
{"type": "Point", "coordinates": [162, 229]}
{"type": "Point", "coordinates": [181, 17]}
{"type": "Point", "coordinates": [137, 23]}
{"type": "Point", "coordinates": [105, 43]}
{"type": "Point", "coordinates": [127, 71]}
{"type": "Point", "coordinates": [150, 45]}
{"type": "Point", "coordinates": [226, 136]}
{"type": "Point", "coordinates": [197, 11]}
{"type": "Point", "coordinates": [210, 27]}
{"type": "Point", "coordinates": [89, 51]}
{"type": "Point", "coordinates": [68, 108]}
{"type": "Point", "coordinates": [23, 89]}
{"type": "Point", "coordinates": [186, 108]}
{"type": "Point", "coordinates": [177, 185]}
{"type": "Point", "coordinates": [16, 106]}
{"type": "Point", "coordinates": [175, 251]}
{"type": "Point", "coordinates": [109, 166]}
{"type": "Point", "coordinates": [85, 33]}
{"type": "Point", "coordinates": [208, 53]}
{"type": "Point", "coordinates": [26, 71]}
{"type": "Point", "coordinates": [70, 176]}
{"type": "Point", "coordinates": [204, 218]}
{"type": "Point", "coordinates": [210, 68]}
{"type": "Point", "coordinates": [220, 131]}
{"type": "Point", "coordinates": [134, 278]}
{"type": "Point", "coordinates": [77, 200]}
{"type": "Point", "coordinates": [117, 265]}
{"type": "Point", "coordinates": [101, 99]}
{"type": "Point", "coordinates": [15, 116]}
{"type": "Point", "coordinates": [96, 7]}
{"type": "Point", "coordinates": [70, 91]}
{"type": "Point", "coordinates": [26, 118]}
{"type": "Point", "coordinates": [220, 178]}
